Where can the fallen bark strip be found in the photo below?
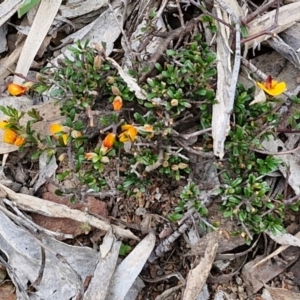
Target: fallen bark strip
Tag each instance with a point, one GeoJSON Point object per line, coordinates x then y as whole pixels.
{"type": "Point", "coordinates": [197, 277]}
{"type": "Point", "coordinates": [51, 209]}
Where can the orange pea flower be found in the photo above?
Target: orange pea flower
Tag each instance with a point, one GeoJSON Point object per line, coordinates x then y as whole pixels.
{"type": "Point", "coordinates": [272, 87]}
{"type": "Point", "coordinates": [129, 134]}
{"type": "Point", "coordinates": [56, 128]}
{"type": "Point", "coordinates": [11, 137]}
{"type": "Point", "coordinates": [107, 143]}
{"type": "Point", "coordinates": [117, 103]}
{"type": "Point", "coordinates": [16, 89]}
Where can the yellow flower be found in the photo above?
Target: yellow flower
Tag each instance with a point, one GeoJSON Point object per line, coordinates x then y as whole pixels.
{"type": "Point", "coordinates": [3, 124]}
{"type": "Point", "coordinates": [56, 128]}
{"type": "Point", "coordinates": [16, 89]}
{"type": "Point", "coordinates": [272, 87]}
{"type": "Point", "coordinates": [117, 103]}
{"type": "Point", "coordinates": [9, 136]}
{"type": "Point", "coordinates": [129, 134]}
{"type": "Point", "coordinates": [90, 155]}
{"type": "Point", "coordinates": [107, 143]}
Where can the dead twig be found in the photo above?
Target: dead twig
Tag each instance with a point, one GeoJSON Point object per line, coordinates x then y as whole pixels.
{"type": "Point", "coordinates": [257, 12]}
{"type": "Point", "coordinates": [183, 144]}
{"type": "Point", "coordinates": [268, 30]}
{"type": "Point", "coordinates": [276, 153]}
{"type": "Point", "coordinates": [166, 244]}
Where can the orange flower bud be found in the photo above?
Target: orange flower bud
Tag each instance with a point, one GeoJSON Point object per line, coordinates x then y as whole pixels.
{"type": "Point", "coordinates": [76, 134]}
{"type": "Point", "coordinates": [117, 103]}
{"type": "Point", "coordinates": [90, 155]}
{"type": "Point", "coordinates": [115, 90]}
{"type": "Point", "coordinates": [108, 142]}
{"type": "Point", "coordinates": [19, 141]}
{"type": "Point", "coordinates": [97, 62]}
{"type": "Point", "coordinates": [110, 80]}
{"type": "Point", "coordinates": [16, 89]}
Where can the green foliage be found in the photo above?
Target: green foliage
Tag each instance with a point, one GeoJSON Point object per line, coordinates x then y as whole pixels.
{"type": "Point", "coordinates": [26, 6]}
{"type": "Point", "coordinates": [189, 198]}
{"type": "Point", "coordinates": [124, 250]}
{"type": "Point", "coordinates": [184, 79]}
{"type": "Point", "coordinates": [245, 195]}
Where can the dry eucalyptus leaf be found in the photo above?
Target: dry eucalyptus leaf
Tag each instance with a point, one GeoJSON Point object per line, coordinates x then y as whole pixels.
{"type": "Point", "coordinates": [99, 285]}
{"type": "Point", "coordinates": [23, 253]}
{"type": "Point", "coordinates": [284, 239]}
{"type": "Point", "coordinates": [197, 277]}
{"type": "Point", "coordinates": [130, 268]}
{"type": "Point", "coordinates": [46, 169]}
{"type": "Point", "coordinates": [260, 97]}
{"type": "Point", "coordinates": [130, 81]}
{"type": "Point", "coordinates": [290, 163]}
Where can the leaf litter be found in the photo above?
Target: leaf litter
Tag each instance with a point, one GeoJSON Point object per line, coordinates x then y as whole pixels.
{"type": "Point", "coordinates": [32, 255]}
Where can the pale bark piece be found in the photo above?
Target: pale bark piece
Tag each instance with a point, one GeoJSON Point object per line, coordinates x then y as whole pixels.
{"type": "Point", "coordinates": [3, 40]}
{"type": "Point", "coordinates": [7, 9]}
{"type": "Point", "coordinates": [73, 10]}
{"type": "Point", "coordinates": [98, 287]}
{"type": "Point", "coordinates": [130, 268]}
{"type": "Point", "coordinates": [288, 15]}
{"type": "Point", "coordinates": [197, 277]}
{"type": "Point", "coordinates": [48, 208]}
{"type": "Point", "coordinates": [105, 29]}
{"type": "Point", "coordinates": [39, 29]}
{"type": "Point", "coordinates": [7, 62]}
{"type": "Point", "coordinates": [227, 79]}
{"type": "Point", "coordinates": [283, 294]}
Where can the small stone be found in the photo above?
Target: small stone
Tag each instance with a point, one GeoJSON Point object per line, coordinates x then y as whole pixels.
{"type": "Point", "coordinates": [15, 186]}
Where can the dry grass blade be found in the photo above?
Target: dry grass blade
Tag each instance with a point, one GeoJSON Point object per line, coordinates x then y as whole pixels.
{"type": "Point", "coordinates": [7, 9]}
{"type": "Point", "coordinates": [38, 31]}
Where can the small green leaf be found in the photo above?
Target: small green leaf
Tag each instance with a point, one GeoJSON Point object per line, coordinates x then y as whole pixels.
{"type": "Point", "coordinates": [26, 6]}
{"type": "Point", "coordinates": [124, 250]}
